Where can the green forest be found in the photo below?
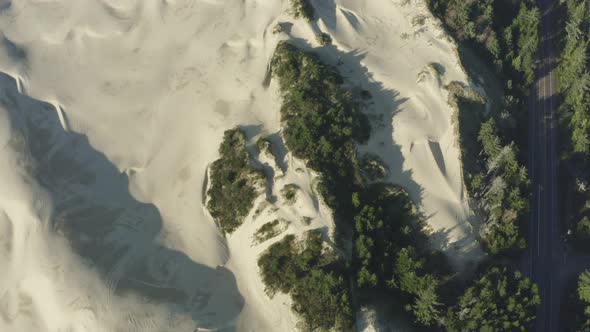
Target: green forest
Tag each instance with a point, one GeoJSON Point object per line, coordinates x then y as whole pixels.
{"type": "Point", "coordinates": [505, 34]}
{"type": "Point", "coordinates": [382, 252]}
{"type": "Point", "coordinates": [391, 259]}
{"type": "Point", "coordinates": [574, 88]}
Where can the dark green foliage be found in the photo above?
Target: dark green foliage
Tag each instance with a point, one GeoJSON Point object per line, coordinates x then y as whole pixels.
{"type": "Point", "coordinates": [302, 8]}
{"type": "Point", "coordinates": [469, 20]}
{"type": "Point", "coordinates": [374, 167]}
{"type": "Point", "coordinates": [320, 294]}
{"type": "Point", "coordinates": [278, 266]}
{"type": "Point", "coordinates": [386, 226]}
{"type": "Point", "coordinates": [574, 77]}
{"type": "Point", "coordinates": [289, 192]}
{"type": "Point", "coordinates": [499, 300]}
{"type": "Point", "coordinates": [497, 182]}
{"type": "Point", "coordinates": [507, 33]}
{"type": "Point", "coordinates": [410, 277]}
{"type": "Point", "coordinates": [582, 234]}
{"type": "Point", "coordinates": [270, 230]}
{"type": "Point", "coordinates": [321, 122]}
{"type": "Point", "coordinates": [575, 305]}
{"type": "Point", "coordinates": [234, 182]}
{"type": "Point", "coordinates": [574, 86]}
{"type": "Point", "coordinates": [324, 39]}
{"type": "Point", "coordinates": [383, 224]}
{"type": "Point", "coordinates": [583, 228]}
{"type": "Point", "coordinates": [584, 301]}
{"type": "Point", "coordinates": [502, 198]}
{"type": "Point", "coordinates": [521, 40]}
{"type": "Point", "coordinates": [322, 300]}
{"type": "Point", "coordinates": [368, 223]}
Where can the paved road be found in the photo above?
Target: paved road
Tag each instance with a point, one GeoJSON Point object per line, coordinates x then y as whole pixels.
{"type": "Point", "coordinates": [548, 261]}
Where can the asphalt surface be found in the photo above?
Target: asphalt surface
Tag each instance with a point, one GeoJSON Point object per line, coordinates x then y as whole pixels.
{"type": "Point", "coordinates": [549, 262]}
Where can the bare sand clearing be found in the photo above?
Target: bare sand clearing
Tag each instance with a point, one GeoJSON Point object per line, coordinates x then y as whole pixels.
{"type": "Point", "coordinates": [110, 112]}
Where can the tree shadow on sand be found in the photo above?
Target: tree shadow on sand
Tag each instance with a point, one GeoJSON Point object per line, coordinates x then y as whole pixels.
{"type": "Point", "coordinates": [108, 227]}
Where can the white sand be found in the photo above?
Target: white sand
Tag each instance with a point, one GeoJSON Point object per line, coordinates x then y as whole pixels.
{"type": "Point", "coordinates": [110, 112]}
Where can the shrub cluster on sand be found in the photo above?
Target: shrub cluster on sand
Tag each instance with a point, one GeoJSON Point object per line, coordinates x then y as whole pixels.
{"type": "Point", "coordinates": [374, 167]}
{"type": "Point", "coordinates": [313, 277]}
{"type": "Point", "coordinates": [289, 193]}
{"type": "Point", "coordinates": [303, 9]}
{"type": "Point", "coordinates": [324, 39]}
{"type": "Point", "coordinates": [234, 183]}
{"type": "Point", "coordinates": [321, 122]}
{"type": "Point", "coordinates": [270, 230]}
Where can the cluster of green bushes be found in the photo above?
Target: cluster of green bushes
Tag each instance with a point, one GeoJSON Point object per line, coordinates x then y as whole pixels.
{"type": "Point", "coordinates": [502, 190]}
{"type": "Point", "coordinates": [497, 183]}
{"type": "Point", "coordinates": [583, 292]}
{"type": "Point", "coordinates": [374, 167]}
{"type": "Point", "coordinates": [321, 122]}
{"type": "Point", "coordinates": [506, 33]}
{"type": "Point", "coordinates": [391, 255]}
{"type": "Point", "coordinates": [313, 277]}
{"type": "Point", "coordinates": [303, 9]}
{"type": "Point", "coordinates": [270, 230]}
{"type": "Point", "coordinates": [324, 39]}
{"type": "Point", "coordinates": [234, 182]}
{"type": "Point", "coordinates": [498, 301]}
{"type": "Point", "coordinates": [575, 305]}
{"type": "Point", "coordinates": [573, 83]}
{"type": "Point", "coordinates": [289, 193]}
{"type": "Point", "coordinates": [386, 230]}
{"type": "Point", "coordinates": [574, 77]}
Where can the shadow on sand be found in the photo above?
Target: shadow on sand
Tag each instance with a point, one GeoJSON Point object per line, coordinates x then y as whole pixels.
{"type": "Point", "coordinates": [108, 227]}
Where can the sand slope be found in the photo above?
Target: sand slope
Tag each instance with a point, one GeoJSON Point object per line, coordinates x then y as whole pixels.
{"type": "Point", "coordinates": [110, 112]}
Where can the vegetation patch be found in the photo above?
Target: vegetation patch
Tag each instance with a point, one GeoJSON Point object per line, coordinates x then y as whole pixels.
{"type": "Point", "coordinates": [289, 193]}
{"type": "Point", "coordinates": [322, 124]}
{"type": "Point", "coordinates": [302, 9]}
{"type": "Point", "coordinates": [374, 167]}
{"type": "Point", "coordinates": [270, 230]}
{"type": "Point", "coordinates": [388, 229]}
{"type": "Point", "coordinates": [505, 33]}
{"type": "Point", "coordinates": [498, 301]}
{"type": "Point", "coordinates": [264, 145]}
{"type": "Point", "coordinates": [497, 183]}
{"type": "Point", "coordinates": [575, 309]}
{"type": "Point", "coordinates": [573, 81]}
{"type": "Point", "coordinates": [314, 279]}
{"type": "Point", "coordinates": [306, 220]}
{"type": "Point", "coordinates": [391, 255]}
{"type": "Point", "coordinates": [323, 39]}
{"type": "Point", "coordinates": [322, 121]}
{"type": "Point", "coordinates": [234, 183]}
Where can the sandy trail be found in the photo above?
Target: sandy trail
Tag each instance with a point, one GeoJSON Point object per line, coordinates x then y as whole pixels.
{"type": "Point", "coordinates": [111, 112]}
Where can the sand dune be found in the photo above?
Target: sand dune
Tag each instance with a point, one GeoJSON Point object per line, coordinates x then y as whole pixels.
{"type": "Point", "coordinates": [110, 113]}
